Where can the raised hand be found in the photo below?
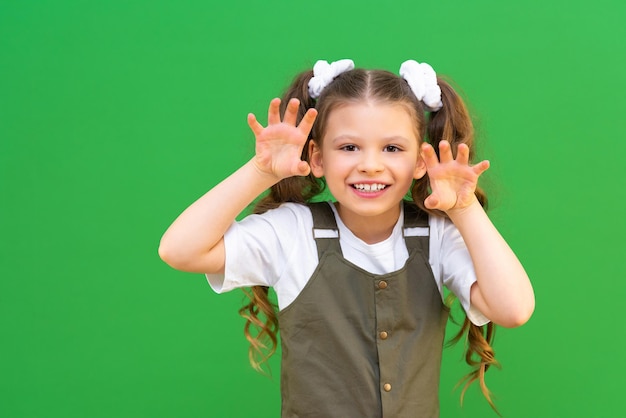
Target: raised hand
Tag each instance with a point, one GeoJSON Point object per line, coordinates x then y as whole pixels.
{"type": "Point", "coordinates": [279, 145]}
{"type": "Point", "coordinates": [452, 182]}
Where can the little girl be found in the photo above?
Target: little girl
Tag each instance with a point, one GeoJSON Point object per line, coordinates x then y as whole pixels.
{"type": "Point", "coordinates": [359, 279]}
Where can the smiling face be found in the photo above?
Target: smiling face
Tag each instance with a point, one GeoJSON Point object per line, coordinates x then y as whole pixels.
{"type": "Point", "coordinates": [369, 156]}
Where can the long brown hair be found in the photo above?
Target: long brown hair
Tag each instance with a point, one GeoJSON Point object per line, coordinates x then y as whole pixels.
{"type": "Point", "coordinates": [452, 123]}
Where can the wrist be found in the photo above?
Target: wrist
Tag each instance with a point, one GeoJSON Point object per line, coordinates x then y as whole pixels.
{"type": "Point", "coordinates": [458, 214]}
{"type": "Point", "coordinates": [261, 175]}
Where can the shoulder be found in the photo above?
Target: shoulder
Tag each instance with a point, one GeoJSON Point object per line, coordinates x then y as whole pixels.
{"type": "Point", "coordinates": [285, 212]}
{"type": "Point", "coordinates": [442, 227]}
{"type": "Point", "coordinates": [435, 221]}
{"type": "Point", "coordinates": [284, 220]}
{"type": "Point", "coordinates": [446, 242]}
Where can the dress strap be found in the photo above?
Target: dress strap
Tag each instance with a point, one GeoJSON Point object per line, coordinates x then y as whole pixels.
{"type": "Point", "coordinates": [325, 230]}
{"type": "Point", "coordinates": [416, 230]}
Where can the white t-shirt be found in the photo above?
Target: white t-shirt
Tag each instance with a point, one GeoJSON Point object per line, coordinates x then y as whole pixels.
{"type": "Point", "coordinates": [277, 249]}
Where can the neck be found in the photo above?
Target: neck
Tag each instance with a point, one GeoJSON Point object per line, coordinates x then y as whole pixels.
{"type": "Point", "coordinates": [370, 229]}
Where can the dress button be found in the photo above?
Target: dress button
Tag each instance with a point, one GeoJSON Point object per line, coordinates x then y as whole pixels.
{"type": "Point", "coordinates": [387, 387]}
{"type": "Point", "coordinates": [382, 284]}
{"type": "Point", "coordinates": [383, 335]}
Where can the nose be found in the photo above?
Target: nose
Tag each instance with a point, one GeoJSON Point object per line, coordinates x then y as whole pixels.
{"type": "Point", "coordinates": [371, 162]}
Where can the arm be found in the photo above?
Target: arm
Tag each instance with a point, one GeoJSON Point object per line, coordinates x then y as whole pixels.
{"type": "Point", "coordinates": [194, 242]}
{"type": "Point", "coordinates": [503, 292]}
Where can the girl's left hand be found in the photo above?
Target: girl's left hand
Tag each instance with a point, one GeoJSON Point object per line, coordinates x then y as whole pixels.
{"type": "Point", "coordinates": [452, 182]}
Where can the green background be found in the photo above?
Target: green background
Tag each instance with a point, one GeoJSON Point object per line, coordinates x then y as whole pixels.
{"type": "Point", "coordinates": [115, 115]}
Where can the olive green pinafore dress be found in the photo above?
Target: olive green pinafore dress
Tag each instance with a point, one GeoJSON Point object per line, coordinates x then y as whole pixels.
{"type": "Point", "coordinates": [362, 345]}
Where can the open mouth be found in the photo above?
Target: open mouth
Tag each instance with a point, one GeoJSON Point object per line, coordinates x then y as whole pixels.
{"type": "Point", "coordinates": [369, 187]}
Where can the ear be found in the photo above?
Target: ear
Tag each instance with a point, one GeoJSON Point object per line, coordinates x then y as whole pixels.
{"type": "Point", "coordinates": [420, 168]}
{"type": "Point", "coordinates": [315, 159]}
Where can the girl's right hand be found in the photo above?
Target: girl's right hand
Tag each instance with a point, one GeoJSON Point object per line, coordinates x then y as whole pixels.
{"type": "Point", "coordinates": [195, 240]}
{"type": "Point", "coordinates": [279, 145]}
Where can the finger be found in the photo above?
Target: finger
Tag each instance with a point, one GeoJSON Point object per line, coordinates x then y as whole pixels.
{"type": "Point", "coordinates": [303, 168]}
{"type": "Point", "coordinates": [481, 167]}
{"type": "Point", "coordinates": [445, 152]}
{"type": "Point", "coordinates": [273, 113]}
{"type": "Point", "coordinates": [254, 124]}
{"type": "Point", "coordinates": [429, 156]}
{"type": "Point", "coordinates": [431, 202]}
{"type": "Point", "coordinates": [462, 154]}
{"type": "Point", "coordinates": [291, 113]}
{"type": "Point", "coordinates": [306, 124]}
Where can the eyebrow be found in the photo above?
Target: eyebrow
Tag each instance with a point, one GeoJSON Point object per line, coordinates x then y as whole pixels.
{"type": "Point", "coordinates": [355, 137]}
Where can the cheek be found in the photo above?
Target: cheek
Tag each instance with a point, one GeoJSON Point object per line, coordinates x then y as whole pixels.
{"type": "Point", "coordinates": [413, 167]}
{"type": "Point", "coordinates": [336, 167]}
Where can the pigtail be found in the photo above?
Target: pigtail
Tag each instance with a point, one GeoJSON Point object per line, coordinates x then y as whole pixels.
{"type": "Point", "coordinates": [260, 314]}
{"type": "Point", "coordinates": [261, 327]}
{"type": "Point", "coordinates": [454, 124]}
{"type": "Point", "coordinates": [479, 355]}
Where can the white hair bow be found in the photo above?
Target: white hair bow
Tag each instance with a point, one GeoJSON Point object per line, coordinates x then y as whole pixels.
{"type": "Point", "coordinates": [423, 81]}
{"type": "Point", "coordinates": [324, 73]}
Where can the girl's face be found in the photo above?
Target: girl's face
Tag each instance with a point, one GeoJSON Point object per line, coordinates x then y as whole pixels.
{"type": "Point", "coordinates": [369, 157]}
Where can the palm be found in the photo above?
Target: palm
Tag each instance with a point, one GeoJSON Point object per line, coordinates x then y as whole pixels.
{"type": "Point", "coordinates": [279, 145]}
{"type": "Point", "coordinates": [452, 181]}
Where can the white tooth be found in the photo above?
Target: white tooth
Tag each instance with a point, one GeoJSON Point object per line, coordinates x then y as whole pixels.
{"type": "Point", "coordinates": [369, 187]}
